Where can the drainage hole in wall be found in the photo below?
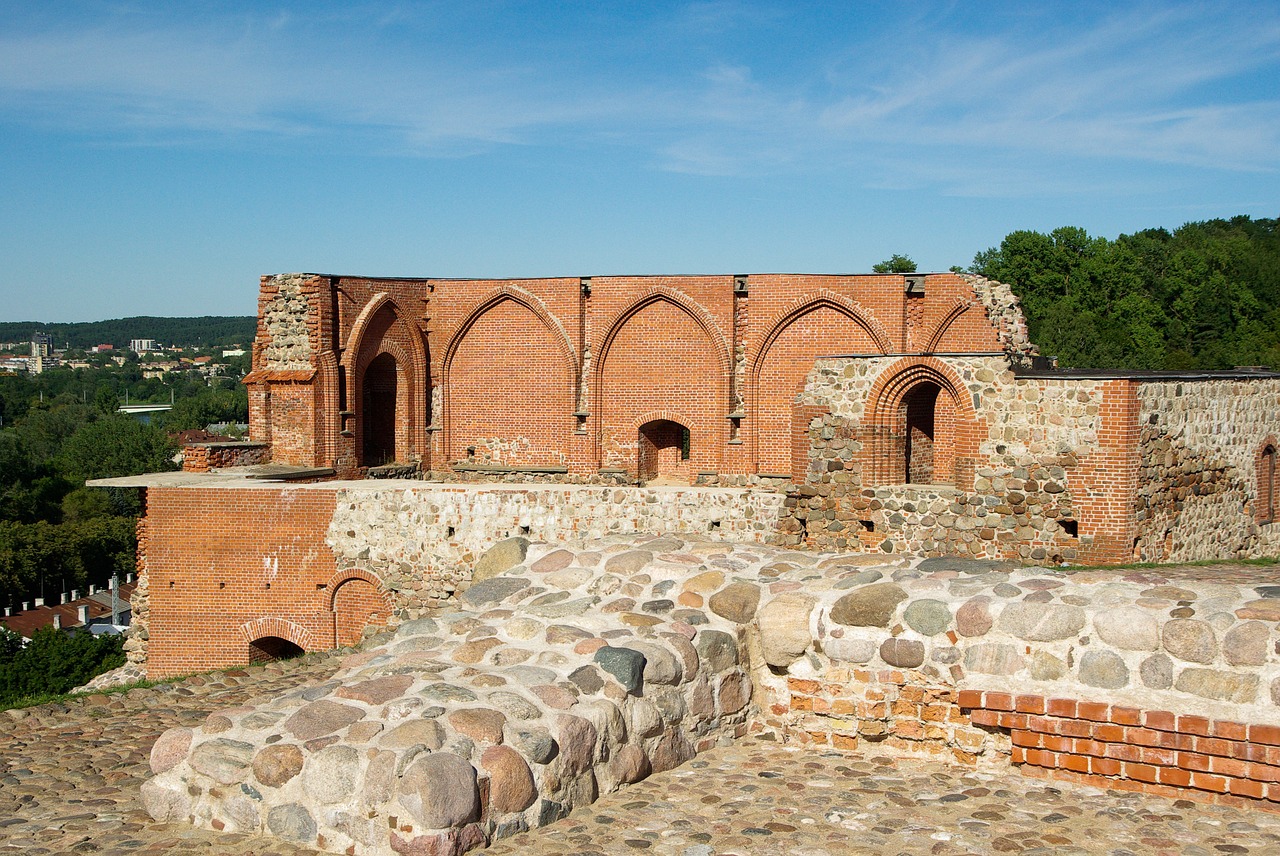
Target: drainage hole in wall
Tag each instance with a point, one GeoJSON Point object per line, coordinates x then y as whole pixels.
{"type": "Point", "coordinates": [714, 526]}
{"type": "Point", "coordinates": [524, 530]}
{"type": "Point", "coordinates": [222, 585]}
{"type": "Point", "coordinates": [268, 585]}
{"type": "Point", "coordinates": [448, 532]}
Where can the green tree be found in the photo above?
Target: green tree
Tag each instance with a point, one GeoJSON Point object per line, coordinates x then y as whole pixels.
{"type": "Point", "coordinates": [895, 264]}
{"type": "Point", "coordinates": [115, 445]}
{"type": "Point", "coordinates": [54, 661]}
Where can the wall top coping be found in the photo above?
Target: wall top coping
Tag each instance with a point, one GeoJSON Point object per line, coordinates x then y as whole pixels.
{"type": "Point", "coordinates": [249, 478]}
{"type": "Point", "coordinates": [1147, 374]}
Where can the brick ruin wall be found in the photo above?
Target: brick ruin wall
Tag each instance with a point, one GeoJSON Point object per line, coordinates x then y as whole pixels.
{"type": "Point", "coordinates": [221, 568]}
{"type": "Point", "coordinates": [1074, 470]}
{"type": "Point", "coordinates": [560, 376]}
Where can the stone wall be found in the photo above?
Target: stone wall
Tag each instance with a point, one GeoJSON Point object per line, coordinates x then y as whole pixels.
{"type": "Point", "coordinates": [221, 568]}
{"type": "Point", "coordinates": [1198, 481]}
{"type": "Point", "coordinates": [1022, 497]}
{"type": "Point", "coordinates": [565, 672]}
{"type": "Point", "coordinates": [422, 541]}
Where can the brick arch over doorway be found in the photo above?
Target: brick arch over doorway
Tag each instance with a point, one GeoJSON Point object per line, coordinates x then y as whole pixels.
{"type": "Point", "coordinates": [662, 353]}
{"type": "Point", "coordinates": [358, 601]}
{"type": "Point", "coordinates": [273, 638]}
{"type": "Point", "coordinates": [922, 426]}
{"type": "Point", "coordinates": [384, 389]}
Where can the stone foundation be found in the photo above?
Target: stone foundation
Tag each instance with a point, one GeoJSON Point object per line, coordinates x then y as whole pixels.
{"type": "Point", "coordinates": [568, 671]}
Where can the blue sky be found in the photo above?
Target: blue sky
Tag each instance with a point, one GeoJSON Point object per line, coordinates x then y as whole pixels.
{"type": "Point", "coordinates": [156, 158]}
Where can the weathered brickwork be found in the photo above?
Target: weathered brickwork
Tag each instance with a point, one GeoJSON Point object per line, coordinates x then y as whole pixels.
{"type": "Point", "coordinates": [202, 457]}
{"type": "Point", "coordinates": [579, 373]}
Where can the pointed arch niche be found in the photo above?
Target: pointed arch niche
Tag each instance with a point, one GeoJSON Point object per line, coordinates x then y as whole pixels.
{"type": "Point", "coordinates": [384, 386]}
{"type": "Point", "coordinates": [663, 354]}
{"type": "Point", "coordinates": [819, 325]}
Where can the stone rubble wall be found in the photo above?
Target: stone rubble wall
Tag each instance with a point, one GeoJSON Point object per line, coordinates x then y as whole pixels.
{"type": "Point", "coordinates": [423, 541]}
{"type": "Point", "coordinates": [1037, 431]}
{"type": "Point", "coordinates": [286, 320]}
{"type": "Point", "coordinates": [1005, 313]}
{"type": "Point", "coordinates": [1198, 475]}
{"type": "Point", "coordinates": [567, 672]}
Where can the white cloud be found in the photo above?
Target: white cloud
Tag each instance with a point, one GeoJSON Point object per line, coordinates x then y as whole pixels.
{"type": "Point", "coordinates": [1155, 86]}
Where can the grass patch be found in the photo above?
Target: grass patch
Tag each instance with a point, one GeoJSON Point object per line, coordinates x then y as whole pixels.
{"type": "Point", "coordinates": [1142, 566]}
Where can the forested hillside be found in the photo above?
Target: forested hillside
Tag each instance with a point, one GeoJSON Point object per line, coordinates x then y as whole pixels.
{"type": "Point", "coordinates": [207, 331]}
{"type": "Point", "coordinates": [1205, 296]}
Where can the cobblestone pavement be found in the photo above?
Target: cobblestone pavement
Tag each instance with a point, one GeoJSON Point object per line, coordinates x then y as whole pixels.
{"type": "Point", "coordinates": [70, 774]}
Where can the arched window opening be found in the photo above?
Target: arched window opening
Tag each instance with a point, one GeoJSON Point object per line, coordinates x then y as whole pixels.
{"type": "Point", "coordinates": [273, 648]}
{"type": "Point", "coordinates": [1267, 485]}
{"type": "Point", "coordinates": [379, 412]}
{"type": "Point", "coordinates": [918, 417]}
{"type": "Point", "coordinates": [664, 452]}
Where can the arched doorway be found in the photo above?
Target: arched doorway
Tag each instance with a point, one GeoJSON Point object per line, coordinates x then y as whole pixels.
{"type": "Point", "coordinates": [664, 449]}
{"type": "Point", "coordinates": [379, 411]}
{"type": "Point", "coordinates": [273, 648]}
{"type": "Point", "coordinates": [919, 407]}
{"type": "Point", "coordinates": [357, 604]}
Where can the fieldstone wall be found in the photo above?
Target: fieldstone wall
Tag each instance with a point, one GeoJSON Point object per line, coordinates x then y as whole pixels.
{"type": "Point", "coordinates": [566, 672]}
{"type": "Point", "coordinates": [423, 541]}
{"type": "Point", "coordinates": [1036, 431]}
{"type": "Point", "coordinates": [287, 320]}
{"type": "Point", "coordinates": [1005, 314]}
{"type": "Point", "coordinates": [1198, 478]}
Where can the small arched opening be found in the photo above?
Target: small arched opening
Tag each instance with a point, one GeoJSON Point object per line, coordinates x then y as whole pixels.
{"type": "Point", "coordinates": [273, 648]}
{"type": "Point", "coordinates": [919, 411]}
{"type": "Point", "coordinates": [1267, 485]}
{"type": "Point", "coordinates": [664, 448]}
{"type": "Point", "coordinates": [379, 410]}
{"type": "Point", "coordinates": [357, 604]}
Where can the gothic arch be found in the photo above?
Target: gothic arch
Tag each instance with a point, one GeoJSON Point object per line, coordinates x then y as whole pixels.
{"type": "Point", "coordinates": [382, 327]}
{"type": "Point", "coordinates": [680, 300]}
{"type": "Point", "coordinates": [529, 301]}
{"type": "Point", "coordinates": [944, 323]}
{"type": "Point", "coordinates": [803, 306]}
{"type": "Point", "coordinates": [771, 411]}
{"type": "Point", "coordinates": [454, 424]}
{"type": "Point", "coordinates": [958, 430]}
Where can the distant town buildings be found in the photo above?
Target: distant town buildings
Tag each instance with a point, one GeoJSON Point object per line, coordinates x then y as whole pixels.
{"type": "Point", "coordinates": [141, 346]}
{"type": "Point", "coordinates": [42, 353]}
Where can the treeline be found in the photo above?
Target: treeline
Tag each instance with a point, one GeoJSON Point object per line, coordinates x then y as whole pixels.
{"type": "Point", "coordinates": [61, 428]}
{"type": "Point", "coordinates": [206, 331]}
{"type": "Point", "coordinates": [1205, 296]}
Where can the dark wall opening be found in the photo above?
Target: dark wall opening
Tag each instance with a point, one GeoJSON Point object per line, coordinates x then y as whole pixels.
{"type": "Point", "coordinates": [273, 648]}
{"type": "Point", "coordinates": [663, 450]}
{"type": "Point", "coordinates": [379, 412]}
{"type": "Point", "coordinates": [920, 405]}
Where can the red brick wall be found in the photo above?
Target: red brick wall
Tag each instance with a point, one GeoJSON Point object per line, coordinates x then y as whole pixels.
{"type": "Point", "coordinates": [509, 379]}
{"type": "Point", "coordinates": [1116, 746]}
{"type": "Point", "coordinates": [226, 566]}
{"type": "Point", "coordinates": [1101, 744]}
{"type": "Point", "coordinates": [523, 356]}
